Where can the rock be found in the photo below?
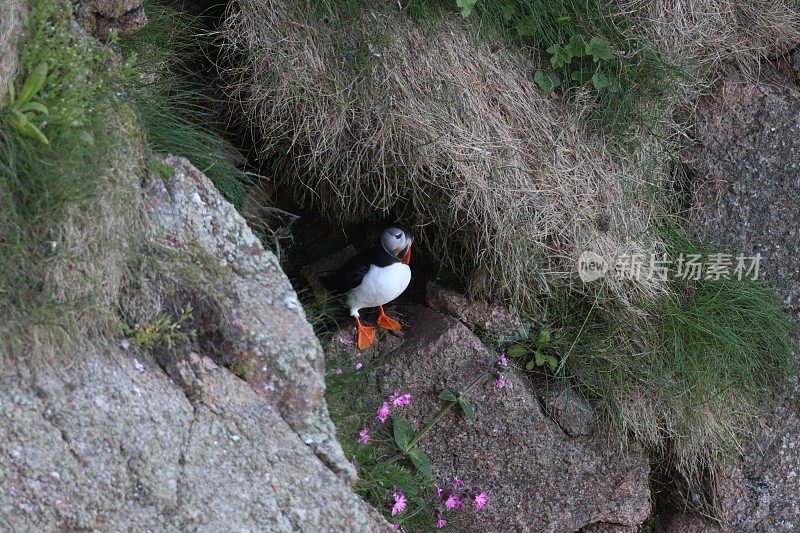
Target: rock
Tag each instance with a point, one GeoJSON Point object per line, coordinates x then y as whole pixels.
{"type": "Point", "coordinates": [124, 439]}
{"type": "Point", "coordinates": [99, 445]}
{"type": "Point", "coordinates": [749, 198]}
{"type": "Point", "coordinates": [761, 491]}
{"type": "Point", "coordinates": [101, 17]}
{"type": "Point", "coordinates": [261, 313]}
{"type": "Point", "coordinates": [608, 528]}
{"type": "Point", "coordinates": [689, 523]}
{"type": "Point", "coordinates": [571, 411]}
{"type": "Point", "coordinates": [12, 21]}
{"type": "Point", "coordinates": [490, 316]}
{"type": "Point", "coordinates": [538, 478]}
{"type": "Point", "coordinates": [750, 151]}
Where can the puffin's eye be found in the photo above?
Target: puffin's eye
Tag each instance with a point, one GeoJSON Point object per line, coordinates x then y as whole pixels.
{"type": "Point", "coordinates": [398, 235]}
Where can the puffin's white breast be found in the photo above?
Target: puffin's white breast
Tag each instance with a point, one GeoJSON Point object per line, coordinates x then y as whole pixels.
{"type": "Point", "coordinates": [380, 286]}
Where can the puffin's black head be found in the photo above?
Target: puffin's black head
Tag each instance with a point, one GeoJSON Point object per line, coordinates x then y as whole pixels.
{"type": "Point", "coordinates": [397, 241]}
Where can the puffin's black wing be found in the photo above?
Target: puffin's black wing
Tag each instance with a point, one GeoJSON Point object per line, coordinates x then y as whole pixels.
{"type": "Point", "coordinates": [349, 275]}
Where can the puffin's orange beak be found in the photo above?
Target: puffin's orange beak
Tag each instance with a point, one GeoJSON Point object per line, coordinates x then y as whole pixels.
{"type": "Point", "coordinates": [407, 257]}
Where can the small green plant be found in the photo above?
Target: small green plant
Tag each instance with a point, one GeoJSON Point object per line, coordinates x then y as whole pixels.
{"type": "Point", "coordinates": [466, 7]}
{"type": "Point", "coordinates": [161, 169]}
{"type": "Point", "coordinates": [395, 475]}
{"type": "Point", "coordinates": [450, 395]}
{"type": "Point", "coordinates": [406, 441]}
{"type": "Point", "coordinates": [23, 110]}
{"type": "Point", "coordinates": [161, 331]}
{"type": "Point", "coordinates": [531, 352]}
{"type": "Point", "coordinates": [243, 365]}
{"type": "Point", "coordinates": [579, 61]}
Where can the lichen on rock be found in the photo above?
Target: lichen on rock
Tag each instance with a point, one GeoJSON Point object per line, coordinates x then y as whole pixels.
{"type": "Point", "coordinates": [259, 309]}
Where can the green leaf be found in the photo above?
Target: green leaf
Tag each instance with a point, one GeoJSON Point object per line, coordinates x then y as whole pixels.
{"type": "Point", "coordinates": [517, 350]}
{"type": "Point", "coordinates": [35, 106]}
{"type": "Point", "coordinates": [12, 93]}
{"type": "Point", "coordinates": [465, 6]}
{"type": "Point", "coordinates": [563, 18]}
{"type": "Point", "coordinates": [577, 46]}
{"type": "Point", "coordinates": [599, 50]}
{"type": "Point", "coordinates": [34, 83]}
{"type": "Point", "coordinates": [448, 395]}
{"type": "Point", "coordinates": [551, 361]}
{"type": "Point", "coordinates": [421, 461]}
{"type": "Point", "coordinates": [539, 358]}
{"type": "Point", "coordinates": [29, 130]}
{"type": "Point", "coordinates": [530, 365]}
{"type": "Point", "coordinates": [543, 339]}
{"type": "Point", "coordinates": [600, 81]}
{"type": "Point", "coordinates": [18, 118]}
{"type": "Point", "coordinates": [403, 432]}
{"type": "Point", "coordinates": [469, 412]}
{"type": "Point", "coordinates": [559, 56]}
{"type": "Point", "coordinates": [547, 81]}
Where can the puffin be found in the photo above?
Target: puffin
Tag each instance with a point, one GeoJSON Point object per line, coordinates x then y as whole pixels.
{"type": "Point", "coordinates": [374, 278]}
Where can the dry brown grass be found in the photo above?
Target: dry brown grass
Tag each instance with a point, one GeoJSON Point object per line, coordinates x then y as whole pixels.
{"type": "Point", "coordinates": [712, 37]}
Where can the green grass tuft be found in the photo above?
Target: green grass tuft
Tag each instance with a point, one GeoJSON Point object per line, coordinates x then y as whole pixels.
{"type": "Point", "coordinates": [176, 112]}
{"type": "Point", "coordinates": [688, 378]}
{"type": "Point", "coordinates": [46, 189]}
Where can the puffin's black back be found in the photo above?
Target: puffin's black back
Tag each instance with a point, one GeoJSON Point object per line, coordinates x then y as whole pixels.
{"type": "Point", "coordinates": [349, 275]}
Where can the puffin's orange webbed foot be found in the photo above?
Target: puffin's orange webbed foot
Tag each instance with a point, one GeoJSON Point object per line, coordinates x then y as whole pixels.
{"type": "Point", "coordinates": [366, 335]}
{"type": "Point", "coordinates": [387, 322]}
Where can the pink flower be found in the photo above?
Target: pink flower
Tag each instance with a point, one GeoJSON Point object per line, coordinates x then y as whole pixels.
{"type": "Point", "coordinates": [363, 435]}
{"type": "Point", "coordinates": [383, 412]}
{"type": "Point", "coordinates": [395, 526]}
{"type": "Point", "coordinates": [457, 483]}
{"type": "Point", "coordinates": [337, 370]}
{"type": "Point", "coordinates": [440, 521]}
{"type": "Point", "coordinates": [502, 360]}
{"type": "Point", "coordinates": [357, 366]}
{"type": "Point", "coordinates": [453, 501]}
{"type": "Point", "coordinates": [438, 492]}
{"type": "Point", "coordinates": [480, 500]}
{"type": "Point", "coordinates": [399, 502]}
{"type": "Point", "coordinates": [345, 340]}
{"type": "Point", "coordinates": [399, 399]}
{"type": "Point", "coordinates": [500, 383]}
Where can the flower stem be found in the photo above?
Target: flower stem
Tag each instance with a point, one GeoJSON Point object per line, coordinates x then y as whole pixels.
{"type": "Point", "coordinates": [433, 421]}
{"type": "Point", "coordinates": [439, 415]}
